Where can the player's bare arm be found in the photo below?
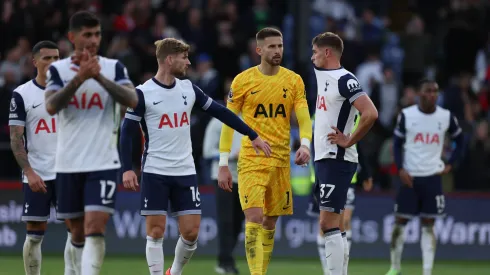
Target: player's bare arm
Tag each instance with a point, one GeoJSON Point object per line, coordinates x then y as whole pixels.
{"type": "Point", "coordinates": [124, 94]}
{"type": "Point", "coordinates": [369, 115]}
{"type": "Point", "coordinates": [20, 154]}
{"type": "Point", "coordinates": [57, 100]}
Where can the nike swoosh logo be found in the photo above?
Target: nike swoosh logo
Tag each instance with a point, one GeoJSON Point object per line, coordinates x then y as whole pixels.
{"type": "Point", "coordinates": [284, 208]}
{"type": "Point", "coordinates": [155, 103]}
{"type": "Point", "coordinates": [35, 106]}
{"type": "Point", "coordinates": [324, 201]}
{"type": "Point", "coordinates": [254, 92]}
{"type": "Point", "coordinates": [198, 204]}
{"type": "Point", "coordinates": [107, 201]}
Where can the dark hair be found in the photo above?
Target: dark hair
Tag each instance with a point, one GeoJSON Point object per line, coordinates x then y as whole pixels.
{"type": "Point", "coordinates": [83, 19]}
{"type": "Point", "coordinates": [329, 39]}
{"type": "Point", "coordinates": [423, 81]}
{"type": "Point", "coordinates": [268, 32]}
{"type": "Point", "coordinates": [46, 44]}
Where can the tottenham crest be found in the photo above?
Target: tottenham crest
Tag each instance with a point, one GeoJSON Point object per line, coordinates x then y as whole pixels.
{"type": "Point", "coordinates": [230, 96]}
{"type": "Point", "coordinates": [13, 105]}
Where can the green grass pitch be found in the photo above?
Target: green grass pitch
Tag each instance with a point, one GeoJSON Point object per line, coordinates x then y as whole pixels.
{"type": "Point", "coordinates": [125, 265]}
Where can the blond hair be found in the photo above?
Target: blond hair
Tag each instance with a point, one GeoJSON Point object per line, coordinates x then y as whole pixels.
{"type": "Point", "coordinates": [169, 46]}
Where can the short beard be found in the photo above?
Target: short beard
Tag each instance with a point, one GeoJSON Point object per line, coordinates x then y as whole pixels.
{"type": "Point", "coordinates": [178, 73]}
{"type": "Point", "coordinates": [272, 62]}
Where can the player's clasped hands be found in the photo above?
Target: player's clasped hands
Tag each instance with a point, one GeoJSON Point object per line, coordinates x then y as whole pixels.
{"type": "Point", "coordinates": [89, 65]}
{"type": "Point", "coordinates": [130, 180]}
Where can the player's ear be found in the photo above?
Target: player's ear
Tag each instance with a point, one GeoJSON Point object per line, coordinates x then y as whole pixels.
{"type": "Point", "coordinates": [71, 37]}
{"type": "Point", "coordinates": [258, 50]}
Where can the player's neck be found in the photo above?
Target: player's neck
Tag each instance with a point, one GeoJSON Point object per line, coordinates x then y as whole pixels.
{"type": "Point", "coordinates": [165, 78]}
{"type": "Point", "coordinates": [268, 69]}
{"type": "Point", "coordinates": [41, 80]}
{"type": "Point", "coordinates": [427, 110]}
{"type": "Point", "coordinates": [332, 65]}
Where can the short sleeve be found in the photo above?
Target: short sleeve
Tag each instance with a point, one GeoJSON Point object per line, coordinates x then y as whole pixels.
{"type": "Point", "coordinates": [54, 82]}
{"type": "Point", "coordinates": [350, 88]}
{"type": "Point", "coordinates": [17, 116]}
{"type": "Point", "coordinates": [400, 129]}
{"type": "Point", "coordinates": [236, 96]}
{"type": "Point", "coordinates": [300, 93]}
{"type": "Point", "coordinates": [139, 112]}
{"type": "Point", "coordinates": [454, 128]}
{"type": "Point", "coordinates": [121, 76]}
{"type": "Point", "coordinates": [202, 99]}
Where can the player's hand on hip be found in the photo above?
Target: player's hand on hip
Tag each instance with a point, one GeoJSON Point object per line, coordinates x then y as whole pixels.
{"type": "Point", "coordinates": [368, 184]}
{"type": "Point", "coordinates": [35, 182]}
{"type": "Point", "coordinates": [225, 180]}
{"type": "Point", "coordinates": [130, 180]}
{"type": "Point", "coordinates": [447, 169]}
{"type": "Point", "coordinates": [406, 178]}
{"type": "Point", "coordinates": [337, 137]}
{"type": "Point", "coordinates": [302, 156]}
{"type": "Point", "coordinates": [261, 145]}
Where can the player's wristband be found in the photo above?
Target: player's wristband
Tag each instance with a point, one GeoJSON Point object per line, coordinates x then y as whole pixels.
{"type": "Point", "coordinates": [306, 142]}
{"type": "Point", "coordinates": [223, 159]}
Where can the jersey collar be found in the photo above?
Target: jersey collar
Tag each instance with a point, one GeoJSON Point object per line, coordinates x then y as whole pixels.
{"type": "Point", "coordinates": [163, 85]}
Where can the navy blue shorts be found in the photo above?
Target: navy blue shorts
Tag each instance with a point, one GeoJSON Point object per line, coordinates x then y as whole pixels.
{"type": "Point", "coordinates": [334, 179]}
{"type": "Point", "coordinates": [425, 199]}
{"type": "Point", "coordinates": [78, 193]}
{"type": "Point", "coordinates": [37, 205]}
{"type": "Point", "coordinates": [157, 191]}
{"type": "Point", "coordinates": [314, 208]}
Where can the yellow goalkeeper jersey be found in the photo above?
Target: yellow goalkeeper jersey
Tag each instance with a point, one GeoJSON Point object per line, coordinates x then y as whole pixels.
{"type": "Point", "coordinates": [266, 103]}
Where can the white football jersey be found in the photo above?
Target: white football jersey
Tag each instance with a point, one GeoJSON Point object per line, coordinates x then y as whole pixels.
{"type": "Point", "coordinates": [424, 139]}
{"type": "Point", "coordinates": [337, 90]}
{"type": "Point", "coordinates": [164, 115]}
{"type": "Point", "coordinates": [27, 109]}
{"type": "Point", "coordinates": [88, 126]}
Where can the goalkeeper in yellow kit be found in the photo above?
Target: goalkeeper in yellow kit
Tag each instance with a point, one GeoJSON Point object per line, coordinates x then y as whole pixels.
{"type": "Point", "coordinates": [266, 95]}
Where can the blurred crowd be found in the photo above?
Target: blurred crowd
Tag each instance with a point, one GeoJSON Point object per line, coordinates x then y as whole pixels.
{"type": "Point", "coordinates": [389, 45]}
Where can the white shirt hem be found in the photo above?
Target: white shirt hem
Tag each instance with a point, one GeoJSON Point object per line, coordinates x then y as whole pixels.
{"type": "Point", "coordinates": [90, 169]}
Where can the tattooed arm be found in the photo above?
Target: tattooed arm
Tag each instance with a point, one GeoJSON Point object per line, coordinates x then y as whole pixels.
{"type": "Point", "coordinates": [59, 99]}
{"type": "Point", "coordinates": [124, 94]}
{"type": "Point", "coordinates": [17, 145]}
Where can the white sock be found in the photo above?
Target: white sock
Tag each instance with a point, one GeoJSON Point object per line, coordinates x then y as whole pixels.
{"type": "Point", "coordinates": [346, 253]}
{"type": "Point", "coordinates": [348, 235]}
{"type": "Point", "coordinates": [183, 253]}
{"type": "Point", "coordinates": [428, 245]}
{"type": "Point", "coordinates": [154, 255]}
{"type": "Point", "coordinates": [93, 255]}
{"type": "Point", "coordinates": [396, 247]}
{"type": "Point", "coordinates": [73, 257]}
{"type": "Point", "coordinates": [32, 252]}
{"type": "Point", "coordinates": [320, 241]}
{"type": "Point", "coordinates": [334, 249]}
